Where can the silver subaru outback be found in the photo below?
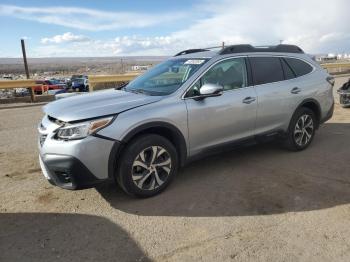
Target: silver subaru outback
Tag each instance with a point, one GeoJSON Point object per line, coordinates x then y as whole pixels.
{"type": "Point", "coordinates": [191, 104]}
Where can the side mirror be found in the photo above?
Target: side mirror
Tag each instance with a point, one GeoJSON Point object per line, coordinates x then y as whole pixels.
{"type": "Point", "coordinates": [210, 90]}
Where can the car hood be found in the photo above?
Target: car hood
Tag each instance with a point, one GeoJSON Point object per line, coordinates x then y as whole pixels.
{"type": "Point", "coordinates": [101, 103]}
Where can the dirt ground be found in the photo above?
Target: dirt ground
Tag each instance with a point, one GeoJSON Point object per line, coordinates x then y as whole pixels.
{"type": "Point", "coordinates": [259, 203]}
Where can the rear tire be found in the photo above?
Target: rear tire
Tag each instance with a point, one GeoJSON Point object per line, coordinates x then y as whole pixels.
{"type": "Point", "coordinates": [301, 130]}
{"type": "Point", "coordinates": [147, 166]}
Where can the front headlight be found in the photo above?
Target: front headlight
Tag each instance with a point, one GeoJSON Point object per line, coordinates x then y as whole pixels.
{"type": "Point", "coordinates": [81, 130]}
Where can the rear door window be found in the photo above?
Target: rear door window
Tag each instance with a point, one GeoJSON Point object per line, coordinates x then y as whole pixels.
{"type": "Point", "coordinates": [299, 67]}
{"type": "Point", "coordinates": [266, 70]}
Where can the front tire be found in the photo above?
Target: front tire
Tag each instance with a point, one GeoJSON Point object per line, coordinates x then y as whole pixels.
{"type": "Point", "coordinates": [301, 130]}
{"type": "Point", "coordinates": [147, 166]}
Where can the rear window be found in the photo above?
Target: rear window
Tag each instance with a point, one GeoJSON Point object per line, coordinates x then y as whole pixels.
{"type": "Point", "coordinates": [266, 70]}
{"type": "Point", "coordinates": [299, 67]}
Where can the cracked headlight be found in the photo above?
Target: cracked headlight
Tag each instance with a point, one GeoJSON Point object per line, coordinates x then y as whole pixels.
{"type": "Point", "coordinates": [83, 129]}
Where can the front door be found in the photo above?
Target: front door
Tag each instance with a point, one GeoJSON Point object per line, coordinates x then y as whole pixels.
{"type": "Point", "coordinates": [217, 120]}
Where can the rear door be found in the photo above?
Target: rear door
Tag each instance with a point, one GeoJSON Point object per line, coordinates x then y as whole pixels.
{"type": "Point", "coordinates": [273, 92]}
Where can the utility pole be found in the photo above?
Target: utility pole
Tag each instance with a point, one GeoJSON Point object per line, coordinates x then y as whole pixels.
{"type": "Point", "coordinates": [31, 91]}
{"type": "Point", "coordinates": [223, 45]}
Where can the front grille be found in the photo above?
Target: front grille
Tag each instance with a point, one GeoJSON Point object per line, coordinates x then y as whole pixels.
{"type": "Point", "coordinates": [42, 139]}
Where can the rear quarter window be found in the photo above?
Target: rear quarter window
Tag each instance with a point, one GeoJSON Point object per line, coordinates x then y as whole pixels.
{"type": "Point", "coordinates": [298, 66]}
{"type": "Point", "coordinates": [288, 72]}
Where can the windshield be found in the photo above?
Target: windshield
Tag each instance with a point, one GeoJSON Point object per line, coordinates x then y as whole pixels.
{"type": "Point", "coordinates": [166, 77]}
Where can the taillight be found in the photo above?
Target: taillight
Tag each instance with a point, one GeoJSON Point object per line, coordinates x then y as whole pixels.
{"type": "Point", "coordinates": [331, 80]}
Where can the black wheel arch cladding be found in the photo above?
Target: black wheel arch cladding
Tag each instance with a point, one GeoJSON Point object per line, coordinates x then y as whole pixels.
{"type": "Point", "coordinates": [164, 129]}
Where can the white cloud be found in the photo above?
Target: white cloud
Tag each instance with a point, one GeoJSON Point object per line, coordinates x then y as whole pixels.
{"type": "Point", "coordinates": [64, 38]}
{"type": "Point", "coordinates": [316, 25]}
{"type": "Point", "coordinates": [126, 45]}
{"type": "Point", "coordinates": [88, 19]}
{"type": "Point", "coordinates": [335, 36]}
{"type": "Point", "coordinates": [266, 22]}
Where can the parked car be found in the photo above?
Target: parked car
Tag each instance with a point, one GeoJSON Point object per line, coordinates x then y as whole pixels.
{"type": "Point", "coordinates": [78, 76]}
{"type": "Point", "coordinates": [80, 84]}
{"type": "Point", "coordinates": [57, 91]}
{"type": "Point", "coordinates": [21, 92]}
{"type": "Point", "coordinates": [195, 102]}
{"type": "Point", "coordinates": [46, 85]}
{"type": "Point", "coordinates": [73, 77]}
{"type": "Point", "coordinates": [56, 81]}
{"type": "Point", "coordinates": [7, 77]}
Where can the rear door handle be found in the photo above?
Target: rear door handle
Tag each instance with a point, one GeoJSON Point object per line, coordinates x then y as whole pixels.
{"type": "Point", "coordinates": [295, 90]}
{"type": "Point", "coordinates": [248, 100]}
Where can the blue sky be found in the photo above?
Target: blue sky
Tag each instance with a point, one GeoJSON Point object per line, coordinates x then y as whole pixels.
{"type": "Point", "coordinates": [112, 28]}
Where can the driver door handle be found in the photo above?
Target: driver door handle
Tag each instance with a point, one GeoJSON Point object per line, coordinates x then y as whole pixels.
{"type": "Point", "coordinates": [295, 90]}
{"type": "Point", "coordinates": [248, 100]}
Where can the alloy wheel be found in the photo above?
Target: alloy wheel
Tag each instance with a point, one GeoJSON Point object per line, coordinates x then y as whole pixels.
{"type": "Point", "coordinates": [151, 168]}
{"type": "Point", "coordinates": [303, 130]}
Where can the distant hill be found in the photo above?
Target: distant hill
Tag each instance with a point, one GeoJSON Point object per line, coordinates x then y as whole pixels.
{"type": "Point", "coordinates": [50, 60]}
{"type": "Point", "coordinates": [83, 65]}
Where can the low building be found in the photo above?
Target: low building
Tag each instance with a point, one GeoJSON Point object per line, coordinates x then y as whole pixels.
{"type": "Point", "coordinates": [140, 67]}
{"type": "Point", "coordinates": [326, 58]}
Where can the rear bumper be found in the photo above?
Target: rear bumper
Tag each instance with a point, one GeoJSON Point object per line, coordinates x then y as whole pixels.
{"type": "Point", "coordinates": [328, 115]}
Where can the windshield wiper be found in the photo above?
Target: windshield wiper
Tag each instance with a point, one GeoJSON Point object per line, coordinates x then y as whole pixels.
{"type": "Point", "coordinates": [137, 91]}
{"type": "Point", "coordinates": [122, 86]}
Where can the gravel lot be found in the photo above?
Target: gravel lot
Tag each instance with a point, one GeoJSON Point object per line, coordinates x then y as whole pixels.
{"type": "Point", "coordinates": [259, 203]}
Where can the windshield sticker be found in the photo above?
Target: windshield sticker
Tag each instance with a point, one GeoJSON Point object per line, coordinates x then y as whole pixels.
{"type": "Point", "coordinates": [194, 62]}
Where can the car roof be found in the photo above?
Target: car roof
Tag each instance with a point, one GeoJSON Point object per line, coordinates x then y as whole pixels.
{"type": "Point", "coordinates": [244, 49]}
{"type": "Point", "coordinates": [205, 54]}
{"type": "Point", "coordinates": [216, 56]}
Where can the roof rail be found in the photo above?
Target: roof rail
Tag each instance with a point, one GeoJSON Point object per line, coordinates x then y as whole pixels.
{"type": "Point", "coordinates": [249, 48]}
{"type": "Point", "coordinates": [190, 51]}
